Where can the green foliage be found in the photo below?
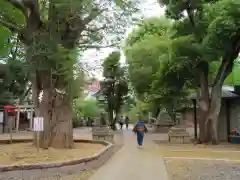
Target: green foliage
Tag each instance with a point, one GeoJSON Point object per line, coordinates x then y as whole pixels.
{"type": "Point", "coordinates": [11, 13]}
{"type": "Point", "coordinates": [166, 55]}
{"type": "Point", "coordinates": [14, 74]}
{"type": "Point", "coordinates": [5, 46]}
{"type": "Point", "coordinates": [143, 48]}
{"type": "Point", "coordinates": [149, 56]}
{"type": "Point", "coordinates": [51, 49]}
{"type": "Point", "coordinates": [213, 26]}
{"type": "Point", "coordinates": [223, 27]}
{"type": "Point", "coordinates": [87, 108]}
{"type": "Point", "coordinates": [140, 108]}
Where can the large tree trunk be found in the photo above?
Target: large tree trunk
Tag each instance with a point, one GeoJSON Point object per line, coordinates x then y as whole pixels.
{"type": "Point", "coordinates": [203, 102]}
{"type": "Point", "coordinates": [57, 113]}
{"type": "Point", "coordinates": [215, 106]}
{"type": "Point", "coordinates": [214, 111]}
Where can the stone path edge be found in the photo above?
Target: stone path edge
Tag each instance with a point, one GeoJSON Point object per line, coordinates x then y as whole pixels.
{"type": "Point", "coordinates": [108, 148]}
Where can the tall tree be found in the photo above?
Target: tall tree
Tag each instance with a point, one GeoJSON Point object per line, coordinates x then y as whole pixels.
{"type": "Point", "coordinates": [114, 86]}
{"type": "Point", "coordinates": [52, 31]}
{"type": "Point", "coordinates": [215, 28]}
{"type": "Point", "coordinates": [147, 50]}
{"type": "Point", "coordinates": [15, 78]}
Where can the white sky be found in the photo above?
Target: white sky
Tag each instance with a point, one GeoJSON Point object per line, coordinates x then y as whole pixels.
{"type": "Point", "coordinates": [149, 8]}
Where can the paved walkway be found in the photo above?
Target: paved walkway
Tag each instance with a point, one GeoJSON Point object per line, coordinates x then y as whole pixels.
{"type": "Point", "coordinates": [132, 162]}
{"type": "Point", "coordinates": [84, 133]}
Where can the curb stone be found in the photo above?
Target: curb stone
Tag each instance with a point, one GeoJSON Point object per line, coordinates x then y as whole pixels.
{"type": "Point", "coordinates": [108, 147]}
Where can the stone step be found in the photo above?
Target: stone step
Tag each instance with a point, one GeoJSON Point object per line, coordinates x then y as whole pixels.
{"type": "Point", "coordinates": [179, 135]}
{"type": "Point", "coordinates": [102, 133]}
{"type": "Point", "coordinates": [178, 129]}
{"type": "Point", "coordinates": [179, 132]}
{"type": "Point", "coordinates": [180, 141]}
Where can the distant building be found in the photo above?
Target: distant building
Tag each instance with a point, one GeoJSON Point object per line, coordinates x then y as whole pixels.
{"type": "Point", "coordinates": [92, 88]}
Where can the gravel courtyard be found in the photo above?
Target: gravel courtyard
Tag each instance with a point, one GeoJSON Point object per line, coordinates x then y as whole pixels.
{"type": "Point", "coordinates": [179, 169]}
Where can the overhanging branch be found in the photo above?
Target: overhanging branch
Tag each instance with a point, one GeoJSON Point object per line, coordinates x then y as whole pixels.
{"type": "Point", "coordinates": [94, 13]}
{"type": "Point", "coordinates": [10, 26]}
{"type": "Point", "coordinates": [97, 46]}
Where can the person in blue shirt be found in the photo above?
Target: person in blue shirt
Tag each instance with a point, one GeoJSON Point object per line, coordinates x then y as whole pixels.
{"type": "Point", "coordinates": [140, 129]}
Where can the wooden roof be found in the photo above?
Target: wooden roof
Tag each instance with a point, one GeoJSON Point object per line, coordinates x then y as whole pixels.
{"type": "Point", "coordinates": [226, 94]}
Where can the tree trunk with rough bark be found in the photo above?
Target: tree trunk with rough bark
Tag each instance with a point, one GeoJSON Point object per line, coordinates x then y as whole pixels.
{"type": "Point", "coordinates": [57, 113]}
{"type": "Point", "coordinates": [216, 93]}
{"type": "Point", "coordinates": [203, 102]}
{"type": "Point", "coordinates": [216, 101]}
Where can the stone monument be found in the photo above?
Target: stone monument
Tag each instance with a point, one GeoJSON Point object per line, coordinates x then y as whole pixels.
{"type": "Point", "coordinates": [101, 131]}
{"type": "Point", "coordinates": [163, 123]}
{"type": "Point", "coordinates": [178, 134]}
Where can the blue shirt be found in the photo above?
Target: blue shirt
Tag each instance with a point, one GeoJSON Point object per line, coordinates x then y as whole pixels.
{"type": "Point", "coordinates": [140, 128]}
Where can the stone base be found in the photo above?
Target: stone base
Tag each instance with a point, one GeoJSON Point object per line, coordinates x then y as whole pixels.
{"type": "Point", "coordinates": [179, 134]}
{"type": "Point", "coordinates": [162, 127]}
{"type": "Point", "coordinates": [158, 129]}
{"type": "Point", "coordinates": [180, 140]}
{"type": "Point", "coordinates": [103, 133]}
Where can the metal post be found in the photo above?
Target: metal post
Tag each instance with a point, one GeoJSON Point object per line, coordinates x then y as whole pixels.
{"type": "Point", "coordinates": [195, 118]}
{"type": "Point", "coordinates": [38, 140]}
{"type": "Point", "coordinates": [10, 118]}
{"type": "Point", "coordinates": [17, 119]}
{"type": "Point", "coordinates": [31, 119]}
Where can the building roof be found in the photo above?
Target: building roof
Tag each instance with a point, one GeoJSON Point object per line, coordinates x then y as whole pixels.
{"type": "Point", "coordinates": [226, 94]}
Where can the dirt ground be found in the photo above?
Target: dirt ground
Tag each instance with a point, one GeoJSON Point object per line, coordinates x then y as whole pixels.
{"type": "Point", "coordinates": [222, 151]}
{"type": "Point", "coordinates": [26, 153]}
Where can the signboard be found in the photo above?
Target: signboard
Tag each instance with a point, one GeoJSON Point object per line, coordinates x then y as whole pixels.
{"type": "Point", "coordinates": [1, 117]}
{"type": "Point", "coordinates": [38, 125]}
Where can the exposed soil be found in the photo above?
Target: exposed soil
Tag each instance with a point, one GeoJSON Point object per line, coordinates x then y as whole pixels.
{"type": "Point", "coordinates": [26, 153]}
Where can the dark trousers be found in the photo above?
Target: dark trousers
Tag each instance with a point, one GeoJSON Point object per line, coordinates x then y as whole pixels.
{"type": "Point", "coordinates": [121, 125]}
{"type": "Point", "coordinates": [140, 138]}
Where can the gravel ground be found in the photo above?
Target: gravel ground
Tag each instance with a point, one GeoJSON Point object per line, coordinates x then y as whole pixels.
{"type": "Point", "coordinates": [202, 170]}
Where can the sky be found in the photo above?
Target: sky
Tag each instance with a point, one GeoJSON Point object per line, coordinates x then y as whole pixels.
{"type": "Point", "coordinates": [148, 8]}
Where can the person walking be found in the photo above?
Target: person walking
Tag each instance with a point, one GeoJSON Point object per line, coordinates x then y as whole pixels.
{"type": "Point", "coordinates": [121, 122]}
{"type": "Point", "coordinates": [140, 129]}
{"type": "Point", "coordinates": [126, 121]}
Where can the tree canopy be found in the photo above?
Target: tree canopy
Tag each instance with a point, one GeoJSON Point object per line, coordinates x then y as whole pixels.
{"type": "Point", "coordinates": [194, 47]}
{"type": "Point", "coordinates": [54, 35]}
{"type": "Point", "coordinates": [114, 87]}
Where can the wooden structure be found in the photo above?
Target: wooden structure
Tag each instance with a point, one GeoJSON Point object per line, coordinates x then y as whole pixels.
{"type": "Point", "coordinates": [16, 118]}
{"type": "Point", "coordinates": [25, 108]}
{"type": "Point", "coordinates": [229, 117]}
